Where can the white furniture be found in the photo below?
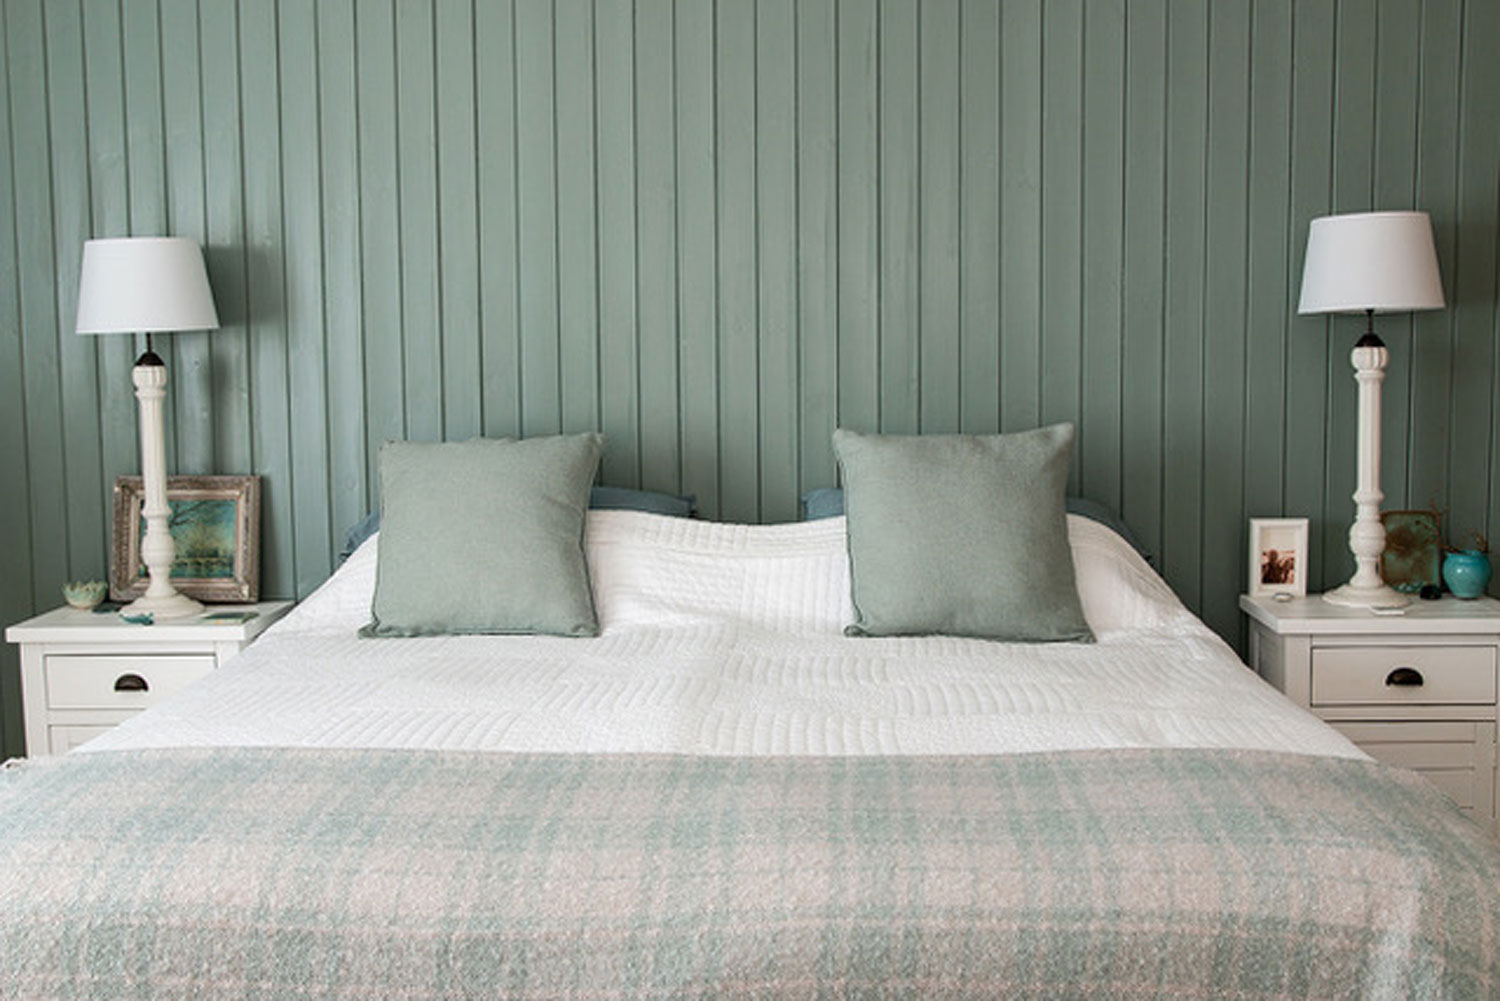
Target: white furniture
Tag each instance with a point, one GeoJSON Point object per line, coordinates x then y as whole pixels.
{"type": "Point", "coordinates": [149, 285]}
{"type": "Point", "coordinates": [1416, 689]}
{"type": "Point", "coordinates": [1369, 262]}
{"type": "Point", "coordinates": [84, 672]}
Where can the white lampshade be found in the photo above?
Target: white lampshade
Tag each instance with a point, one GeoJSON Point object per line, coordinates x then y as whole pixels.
{"type": "Point", "coordinates": [144, 285]}
{"type": "Point", "coordinates": [1380, 261]}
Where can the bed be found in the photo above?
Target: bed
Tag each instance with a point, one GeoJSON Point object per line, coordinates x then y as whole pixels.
{"type": "Point", "coordinates": [722, 795]}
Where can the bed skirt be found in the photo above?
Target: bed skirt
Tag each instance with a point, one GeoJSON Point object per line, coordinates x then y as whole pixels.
{"type": "Point", "coordinates": [288, 874]}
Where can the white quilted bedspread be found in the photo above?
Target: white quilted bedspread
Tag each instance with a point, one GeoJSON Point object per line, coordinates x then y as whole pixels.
{"type": "Point", "coordinates": [727, 639]}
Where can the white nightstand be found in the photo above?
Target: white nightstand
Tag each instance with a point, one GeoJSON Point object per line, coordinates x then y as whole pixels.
{"type": "Point", "coordinates": [84, 672]}
{"type": "Point", "coordinates": [1417, 689]}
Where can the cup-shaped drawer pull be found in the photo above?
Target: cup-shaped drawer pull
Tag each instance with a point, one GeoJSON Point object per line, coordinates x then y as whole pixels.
{"type": "Point", "coordinates": [131, 683]}
{"type": "Point", "coordinates": [1405, 676]}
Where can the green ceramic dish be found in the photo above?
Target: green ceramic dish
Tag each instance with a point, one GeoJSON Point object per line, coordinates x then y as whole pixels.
{"type": "Point", "coordinates": [85, 594]}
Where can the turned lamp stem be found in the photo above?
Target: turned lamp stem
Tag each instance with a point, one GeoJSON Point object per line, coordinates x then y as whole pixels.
{"type": "Point", "coordinates": [158, 550]}
{"type": "Point", "coordinates": [1367, 535]}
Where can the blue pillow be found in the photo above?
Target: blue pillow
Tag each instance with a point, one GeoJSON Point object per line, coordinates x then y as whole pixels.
{"type": "Point", "coordinates": [824, 502]}
{"type": "Point", "coordinates": [828, 502]}
{"type": "Point", "coordinates": [355, 537]}
{"type": "Point", "coordinates": [626, 499]}
{"type": "Point", "coordinates": [600, 499]}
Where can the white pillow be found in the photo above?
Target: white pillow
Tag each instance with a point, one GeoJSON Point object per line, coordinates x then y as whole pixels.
{"type": "Point", "coordinates": [654, 571]}
{"type": "Point", "coordinates": [1117, 587]}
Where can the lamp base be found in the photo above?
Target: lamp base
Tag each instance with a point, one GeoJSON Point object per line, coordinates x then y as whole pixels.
{"type": "Point", "coordinates": [171, 606]}
{"type": "Point", "coordinates": [1380, 596]}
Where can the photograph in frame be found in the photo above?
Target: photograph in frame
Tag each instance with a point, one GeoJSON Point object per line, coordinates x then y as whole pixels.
{"type": "Point", "coordinates": [1278, 556]}
{"type": "Point", "coordinates": [215, 525]}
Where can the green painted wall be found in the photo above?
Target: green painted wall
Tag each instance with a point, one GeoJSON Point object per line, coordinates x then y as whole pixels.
{"type": "Point", "coordinates": [717, 230]}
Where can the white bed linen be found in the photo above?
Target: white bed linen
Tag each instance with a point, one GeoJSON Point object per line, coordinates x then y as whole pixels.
{"type": "Point", "coordinates": [727, 639]}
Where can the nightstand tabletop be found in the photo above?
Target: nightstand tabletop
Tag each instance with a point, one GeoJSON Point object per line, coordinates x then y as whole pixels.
{"type": "Point", "coordinates": [1312, 614]}
{"type": "Point", "coordinates": [72, 625]}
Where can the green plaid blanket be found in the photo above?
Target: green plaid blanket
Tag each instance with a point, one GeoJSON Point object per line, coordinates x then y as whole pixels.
{"type": "Point", "coordinates": [293, 874]}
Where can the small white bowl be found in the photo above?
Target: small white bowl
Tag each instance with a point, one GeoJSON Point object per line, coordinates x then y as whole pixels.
{"type": "Point", "coordinates": [85, 594]}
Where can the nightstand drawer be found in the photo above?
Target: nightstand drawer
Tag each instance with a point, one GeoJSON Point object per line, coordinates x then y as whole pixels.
{"type": "Point", "coordinates": [62, 739]}
{"type": "Point", "coordinates": [82, 681]}
{"type": "Point", "coordinates": [1457, 757]}
{"type": "Point", "coordinates": [1373, 675]}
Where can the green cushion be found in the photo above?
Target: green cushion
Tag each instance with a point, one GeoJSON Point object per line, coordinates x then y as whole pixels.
{"type": "Point", "coordinates": [962, 535]}
{"type": "Point", "coordinates": [484, 536]}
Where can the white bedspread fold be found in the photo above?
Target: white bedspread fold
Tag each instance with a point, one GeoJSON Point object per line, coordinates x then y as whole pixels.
{"type": "Point", "coordinates": [727, 639]}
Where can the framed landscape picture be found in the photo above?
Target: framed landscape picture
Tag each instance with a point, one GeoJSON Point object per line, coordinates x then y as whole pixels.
{"type": "Point", "coordinates": [215, 524]}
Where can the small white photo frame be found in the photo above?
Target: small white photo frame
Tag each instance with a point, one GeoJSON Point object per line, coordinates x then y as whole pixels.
{"type": "Point", "coordinates": [1278, 556]}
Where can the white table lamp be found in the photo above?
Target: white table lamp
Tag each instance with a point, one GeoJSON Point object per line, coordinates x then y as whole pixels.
{"type": "Point", "coordinates": [149, 285]}
{"type": "Point", "coordinates": [1369, 262]}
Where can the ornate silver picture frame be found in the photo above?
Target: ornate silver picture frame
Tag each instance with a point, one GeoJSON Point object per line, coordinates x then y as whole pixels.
{"type": "Point", "coordinates": [215, 523]}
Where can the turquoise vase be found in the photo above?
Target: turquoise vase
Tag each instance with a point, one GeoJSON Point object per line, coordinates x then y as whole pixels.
{"type": "Point", "coordinates": [1466, 573]}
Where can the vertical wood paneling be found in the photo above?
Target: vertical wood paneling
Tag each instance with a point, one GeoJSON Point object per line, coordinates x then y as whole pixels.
{"type": "Point", "coordinates": [1141, 390]}
{"type": "Point", "coordinates": [38, 318]}
{"type": "Point", "coordinates": [17, 593]}
{"type": "Point", "coordinates": [225, 251]}
{"type": "Point", "coordinates": [1061, 288]}
{"type": "Point", "coordinates": [818, 258]}
{"type": "Point", "coordinates": [776, 256]}
{"type": "Point", "coordinates": [656, 246]}
{"type": "Point", "coordinates": [938, 212]}
{"type": "Point", "coordinates": [979, 225]}
{"type": "Point", "coordinates": [499, 271]}
{"type": "Point", "coordinates": [719, 230]}
{"type": "Point", "coordinates": [458, 213]}
{"type": "Point", "coordinates": [140, 41]}
{"type": "Point", "coordinates": [577, 220]}
{"type": "Point", "coordinates": [737, 323]}
{"type": "Point", "coordinates": [1225, 350]}
{"type": "Point", "coordinates": [697, 252]}
{"type": "Point", "coordinates": [307, 352]}
{"type": "Point", "coordinates": [858, 217]}
{"type": "Point", "coordinates": [1270, 294]}
{"type": "Point", "coordinates": [380, 231]}
{"type": "Point", "coordinates": [343, 317]}
{"type": "Point", "coordinates": [1307, 352]}
{"type": "Point", "coordinates": [70, 226]}
{"type": "Point", "coordinates": [1102, 149]}
{"type": "Point", "coordinates": [191, 384]}
{"type": "Point", "coordinates": [619, 347]}
{"type": "Point", "coordinates": [266, 296]}
{"type": "Point", "coordinates": [1472, 296]}
{"type": "Point", "coordinates": [1020, 214]}
{"type": "Point", "coordinates": [1182, 372]}
{"type": "Point", "coordinates": [1436, 175]}
{"type": "Point", "coordinates": [899, 253]}
{"type": "Point", "coordinates": [417, 219]}
{"type": "Point", "coordinates": [536, 186]}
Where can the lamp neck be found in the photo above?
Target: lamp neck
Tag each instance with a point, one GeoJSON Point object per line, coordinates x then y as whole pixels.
{"type": "Point", "coordinates": [150, 357]}
{"type": "Point", "coordinates": [1369, 340]}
